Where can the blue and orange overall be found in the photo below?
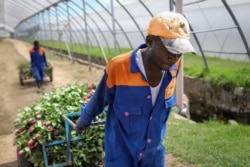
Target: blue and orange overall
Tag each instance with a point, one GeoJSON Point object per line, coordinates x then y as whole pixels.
{"type": "Point", "coordinates": [134, 129]}
{"type": "Point", "coordinates": [38, 62]}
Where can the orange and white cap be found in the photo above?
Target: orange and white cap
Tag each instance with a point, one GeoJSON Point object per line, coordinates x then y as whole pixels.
{"type": "Point", "coordinates": [173, 29]}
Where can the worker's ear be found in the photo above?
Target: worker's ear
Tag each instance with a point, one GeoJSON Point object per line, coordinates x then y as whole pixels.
{"type": "Point", "coordinates": [149, 40]}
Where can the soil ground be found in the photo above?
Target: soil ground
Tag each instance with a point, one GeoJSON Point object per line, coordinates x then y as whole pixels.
{"type": "Point", "coordinates": [13, 96]}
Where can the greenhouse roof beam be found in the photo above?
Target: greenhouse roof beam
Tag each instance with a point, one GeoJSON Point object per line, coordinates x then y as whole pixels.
{"type": "Point", "coordinates": [38, 10]}
{"type": "Point", "coordinates": [214, 29]}
{"type": "Point", "coordinates": [78, 23]}
{"type": "Point", "coordinates": [81, 24]}
{"type": "Point", "coordinates": [107, 44]}
{"type": "Point", "coordinates": [115, 20]}
{"type": "Point", "coordinates": [132, 19]}
{"type": "Point", "coordinates": [238, 27]}
{"type": "Point", "coordinates": [191, 3]}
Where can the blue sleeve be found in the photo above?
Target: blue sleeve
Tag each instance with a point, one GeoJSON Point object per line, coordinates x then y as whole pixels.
{"type": "Point", "coordinates": [31, 60]}
{"type": "Point", "coordinates": [100, 99]}
{"type": "Point", "coordinates": [45, 61]}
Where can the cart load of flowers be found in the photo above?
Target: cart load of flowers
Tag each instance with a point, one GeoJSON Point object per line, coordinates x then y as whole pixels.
{"type": "Point", "coordinates": [42, 123]}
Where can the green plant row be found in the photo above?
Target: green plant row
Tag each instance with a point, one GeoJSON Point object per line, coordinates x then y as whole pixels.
{"type": "Point", "coordinates": [220, 71]}
{"type": "Point", "coordinates": [42, 122]}
{"type": "Point", "coordinates": [81, 48]}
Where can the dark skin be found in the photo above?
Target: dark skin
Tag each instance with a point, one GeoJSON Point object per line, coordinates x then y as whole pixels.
{"type": "Point", "coordinates": [156, 58]}
{"type": "Point", "coordinates": [36, 45]}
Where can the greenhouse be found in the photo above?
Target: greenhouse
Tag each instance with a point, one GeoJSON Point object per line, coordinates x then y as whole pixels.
{"type": "Point", "coordinates": [80, 37]}
{"type": "Point", "coordinates": [96, 22]}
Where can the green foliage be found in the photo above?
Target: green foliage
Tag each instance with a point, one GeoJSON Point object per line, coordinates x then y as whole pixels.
{"type": "Point", "coordinates": [23, 66]}
{"type": "Point", "coordinates": [212, 143]}
{"type": "Point", "coordinates": [42, 122]}
{"type": "Point", "coordinates": [25, 69]}
{"type": "Point", "coordinates": [82, 49]}
{"type": "Point", "coordinates": [221, 71]}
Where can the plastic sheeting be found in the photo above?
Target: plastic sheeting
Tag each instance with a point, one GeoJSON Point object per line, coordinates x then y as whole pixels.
{"type": "Point", "coordinates": [216, 32]}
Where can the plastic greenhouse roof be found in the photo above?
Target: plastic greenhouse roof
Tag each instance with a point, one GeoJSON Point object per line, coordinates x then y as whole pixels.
{"type": "Point", "coordinates": [13, 12]}
{"type": "Point", "coordinates": [210, 21]}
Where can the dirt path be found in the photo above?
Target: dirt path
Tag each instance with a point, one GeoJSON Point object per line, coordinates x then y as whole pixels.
{"type": "Point", "coordinates": [14, 97]}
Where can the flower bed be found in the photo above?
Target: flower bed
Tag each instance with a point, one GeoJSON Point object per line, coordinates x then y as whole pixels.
{"type": "Point", "coordinates": [42, 122]}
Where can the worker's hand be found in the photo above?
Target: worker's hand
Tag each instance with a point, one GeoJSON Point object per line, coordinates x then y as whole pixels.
{"type": "Point", "coordinates": [80, 126]}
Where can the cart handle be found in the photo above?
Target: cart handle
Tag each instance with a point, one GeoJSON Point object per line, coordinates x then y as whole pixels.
{"type": "Point", "coordinates": [73, 125]}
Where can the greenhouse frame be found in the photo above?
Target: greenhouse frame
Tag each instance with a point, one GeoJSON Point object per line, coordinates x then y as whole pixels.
{"type": "Point", "coordinates": [115, 24]}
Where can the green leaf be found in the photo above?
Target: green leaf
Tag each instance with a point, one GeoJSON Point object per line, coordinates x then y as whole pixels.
{"type": "Point", "coordinates": [27, 149]}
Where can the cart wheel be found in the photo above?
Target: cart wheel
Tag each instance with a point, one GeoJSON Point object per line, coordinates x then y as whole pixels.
{"type": "Point", "coordinates": [51, 76]}
{"type": "Point", "coordinates": [21, 78]}
{"type": "Point", "coordinates": [23, 162]}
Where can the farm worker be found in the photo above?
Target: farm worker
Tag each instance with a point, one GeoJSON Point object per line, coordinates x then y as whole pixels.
{"type": "Point", "coordinates": [139, 89]}
{"type": "Point", "coordinates": [38, 63]}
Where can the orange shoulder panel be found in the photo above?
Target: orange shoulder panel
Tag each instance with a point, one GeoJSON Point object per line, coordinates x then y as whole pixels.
{"type": "Point", "coordinates": [41, 51]}
{"type": "Point", "coordinates": [118, 71]}
{"type": "Point", "coordinates": [31, 51]}
{"type": "Point", "coordinates": [169, 91]}
{"type": "Point", "coordinates": [178, 64]}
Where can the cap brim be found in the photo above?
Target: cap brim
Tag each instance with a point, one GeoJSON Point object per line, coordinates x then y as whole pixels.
{"type": "Point", "coordinates": [178, 45]}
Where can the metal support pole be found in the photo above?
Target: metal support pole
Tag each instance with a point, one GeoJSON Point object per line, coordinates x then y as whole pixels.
{"type": "Point", "coordinates": [70, 33]}
{"type": "Point", "coordinates": [86, 34]}
{"type": "Point", "coordinates": [200, 48]}
{"type": "Point", "coordinates": [44, 26]}
{"type": "Point", "coordinates": [36, 24]}
{"type": "Point", "coordinates": [238, 26]}
{"type": "Point", "coordinates": [171, 5]}
{"type": "Point", "coordinates": [58, 30]}
{"type": "Point", "coordinates": [40, 25]}
{"type": "Point", "coordinates": [50, 28]}
{"type": "Point", "coordinates": [113, 23]}
{"type": "Point", "coordinates": [179, 85]}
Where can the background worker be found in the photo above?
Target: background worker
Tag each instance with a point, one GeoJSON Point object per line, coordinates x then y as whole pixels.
{"type": "Point", "coordinates": [138, 88]}
{"type": "Point", "coordinates": [38, 63]}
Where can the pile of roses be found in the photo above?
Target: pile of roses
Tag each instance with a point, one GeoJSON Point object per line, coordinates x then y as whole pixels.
{"type": "Point", "coordinates": [42, 123]}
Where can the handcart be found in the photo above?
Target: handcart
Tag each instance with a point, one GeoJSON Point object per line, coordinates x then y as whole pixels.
{"type": "Point", "coordinates": [26, 72]}
{"type": "Point", "coordinates": [69, 126]}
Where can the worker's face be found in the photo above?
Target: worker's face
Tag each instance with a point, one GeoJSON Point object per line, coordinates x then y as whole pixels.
{"type": "Point", "coordinates": [36, 45]}
{"type": "Point", "coordinates": [160, 56]}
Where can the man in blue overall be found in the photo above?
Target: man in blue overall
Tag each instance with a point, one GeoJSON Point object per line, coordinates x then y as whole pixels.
{"type": "Point", "coordinates": [138, 88]}
{"type": "Point", "coordinates": [38, 63]}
